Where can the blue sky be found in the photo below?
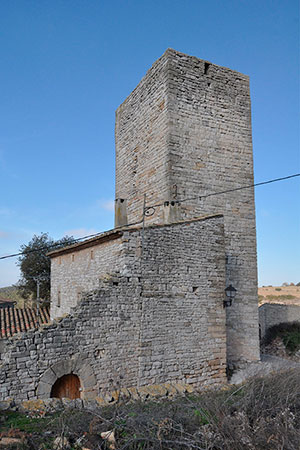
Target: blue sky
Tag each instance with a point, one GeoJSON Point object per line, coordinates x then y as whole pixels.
{"type": "Point", "coordinates": [66, 65]}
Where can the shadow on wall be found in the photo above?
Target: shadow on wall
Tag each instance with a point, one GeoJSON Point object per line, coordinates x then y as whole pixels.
{"type": "Point", "coordinates": [271, 314]}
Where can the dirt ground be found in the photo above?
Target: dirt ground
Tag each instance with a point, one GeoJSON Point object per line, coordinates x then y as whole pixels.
{"type": "Point", "coordinates": [288, 295]}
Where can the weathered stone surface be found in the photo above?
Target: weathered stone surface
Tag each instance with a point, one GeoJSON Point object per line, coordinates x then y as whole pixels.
{"type": "Point", "coordinates": [62, 367]}
{"type": "Point", "coordinates": [157, 390]}
{"type": "Point", "coordinates": [100, 402]}
{"type": "Point", "coordinates": [159, 326]}
{"type": "Point", "coordinates": [180, 388]}
{"type": "Point", "coordinates": [171, 390]}
{"type": "Point", "coordinates": [146, 305]}
{"type": "Point", "coordinates": [134, 395]}
{"type": "Point", "coordinates": [49, 377]}
{"type": "Point", "coordinates": [75, 273]}
{"type": "Point", "coordinates": [43, 390]}
{"type": "Point", "coordinates": [271, 314]}
{"type": "Point", "coordinates": [185, 133]}
{"type": "Point", "coordinates": [32, 405]}
{"type": "Point", "coordinates": [5, 405]}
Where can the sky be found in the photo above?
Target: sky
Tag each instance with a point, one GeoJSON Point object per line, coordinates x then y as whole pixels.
{"type": "Point", "coordinates": [66, 65]}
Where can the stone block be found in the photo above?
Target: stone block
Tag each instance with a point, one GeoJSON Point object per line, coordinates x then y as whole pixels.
{"type": "Point", "coordinates": [63, 367]}
{"type": "Point", "coordinates": [49, 377]}
{"type": "Point", "coordinates": [32, 405]}
{"type": "Point", "coordinates": [43, 390]}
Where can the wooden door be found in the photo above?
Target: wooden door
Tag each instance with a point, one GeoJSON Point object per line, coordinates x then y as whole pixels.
{"type": "Point", "coordinates": [67, 386]}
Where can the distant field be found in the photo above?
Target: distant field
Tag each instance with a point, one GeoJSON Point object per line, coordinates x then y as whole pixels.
{"type": "Point", "coordinates": [12, 293]}
{"type": "Point", "coordinates": [288, 295]}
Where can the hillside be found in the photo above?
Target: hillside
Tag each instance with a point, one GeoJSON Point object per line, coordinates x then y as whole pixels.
{"type": "Point", "coordinates": [288, 295]}
{"type": "Point", "coordinates": [11, 292]}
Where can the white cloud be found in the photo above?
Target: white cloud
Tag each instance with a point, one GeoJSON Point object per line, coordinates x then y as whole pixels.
{"type": "Point", "coordinates": [80, 232]}
{"type": "Point", "coordinates": [108, 205]}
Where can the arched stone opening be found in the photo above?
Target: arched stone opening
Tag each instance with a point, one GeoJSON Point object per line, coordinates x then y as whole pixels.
{"type": "Point", "coordinates": [67, 386]}
{"type": "Point", "coordinates": [79, 367]}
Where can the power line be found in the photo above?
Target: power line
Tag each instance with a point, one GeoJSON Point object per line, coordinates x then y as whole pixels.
{"type": "Point", "coordinates": [147, 208]}
{"type": "Point", "coordinates": [228, 190]}
{"type": "Point", "coordinates": [58, 246]}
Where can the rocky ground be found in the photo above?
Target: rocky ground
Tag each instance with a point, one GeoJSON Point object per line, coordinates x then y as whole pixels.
{"type": "Point", "coordinates": [274, 358]}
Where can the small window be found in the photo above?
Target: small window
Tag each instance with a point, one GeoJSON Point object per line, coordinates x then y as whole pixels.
{"type": "Point", "coordinates": [73, 257]}
{"type": "Point", "coordinates": [58, 298]}
{"type": "Point", "coordinates": [92, 254]}
{"type": "Point", "coordinates": [59, 260]}
{"type": "Point", "coordinates": [206, 67]}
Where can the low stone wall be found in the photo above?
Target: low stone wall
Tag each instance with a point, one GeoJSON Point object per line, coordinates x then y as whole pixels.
{"type": "Point", "coordinates": [271, 314]}
{"type": "Point", "coordinates": [142, 393]}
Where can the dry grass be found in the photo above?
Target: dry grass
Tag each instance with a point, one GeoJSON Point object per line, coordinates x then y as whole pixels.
{"type": "Point", "coordinates": [288, 295]}
{"type": "Point", "coordinates": [261, 414]}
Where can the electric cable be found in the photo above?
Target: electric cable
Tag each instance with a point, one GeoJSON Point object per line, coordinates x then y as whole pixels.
{"type": "Point", "coordinates": [153, 207]}
{"type": "Point", "coordinates": [59, 246]}
{"type": "Point", "coordinates": [228, 190]}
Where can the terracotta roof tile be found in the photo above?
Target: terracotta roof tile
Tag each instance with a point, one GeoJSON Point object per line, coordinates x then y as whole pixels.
{"type": "Point", "coordinates": [7, 300]}
{"type": "Point", "coordinates": [13, 321]}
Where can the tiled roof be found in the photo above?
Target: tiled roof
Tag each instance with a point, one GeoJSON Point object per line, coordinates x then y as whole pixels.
{"type": "Point", "coordinates": [7, 300]}
{"type": "Point", "coordinates": [13, 321]}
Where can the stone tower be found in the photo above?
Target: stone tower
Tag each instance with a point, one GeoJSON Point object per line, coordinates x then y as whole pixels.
{"type": "Point", "coordinates": [185, 133]}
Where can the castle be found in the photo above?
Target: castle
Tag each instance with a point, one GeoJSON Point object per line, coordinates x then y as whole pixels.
{"type": "Point", "coordinates": [144, 303]}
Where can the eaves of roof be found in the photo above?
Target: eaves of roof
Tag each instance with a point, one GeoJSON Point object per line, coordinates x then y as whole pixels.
{"type": "Point", "coordinates": [14, 321]}
{"type": "Point", "coordinates": [117, 233]}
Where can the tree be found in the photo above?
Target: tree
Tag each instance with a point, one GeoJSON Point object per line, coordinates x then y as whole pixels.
{"type": "Point", "coordinates": [35, 265]}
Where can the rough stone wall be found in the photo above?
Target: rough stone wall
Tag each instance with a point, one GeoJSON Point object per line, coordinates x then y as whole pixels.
{"type": "Point", "coordinates": [80, 271]}
{"type": "Point", "coordinates": [141, 132]}
{"type": "Point", "coordinates": [211, 151]}
{"type": "Point", "coordinates": [162, 320]}
{"type": "Point", "coordinates": [272, 314]}
{"type": "Point", "coordinates": [207, 148]}
{"type": "Point", "coordinates": [183, 327]}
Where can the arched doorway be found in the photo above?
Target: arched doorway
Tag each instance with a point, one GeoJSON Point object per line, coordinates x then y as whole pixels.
{"type": "Point", "coordinates": [67, 386]}
{"type": "Point", "coordinates": [79, 366]}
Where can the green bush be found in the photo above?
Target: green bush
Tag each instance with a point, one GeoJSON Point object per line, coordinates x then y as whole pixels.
{"type": "Point", "coordinates": [280, 297]}
{"type": "Point", "coordinates": [289, 333]}
{"type": "Point", "coordinates": [291, 341]}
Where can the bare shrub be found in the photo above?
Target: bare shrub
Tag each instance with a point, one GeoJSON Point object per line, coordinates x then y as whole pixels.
{"type": "Point", "coordinates": [288, 331]}
{"type": "Point", "coordinates": [263, 413]}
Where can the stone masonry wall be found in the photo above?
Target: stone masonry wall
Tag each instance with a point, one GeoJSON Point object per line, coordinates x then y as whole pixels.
{"type": "Point", "coordinates": [207, 149]}
{"type": "Point", "coordinates": [141, 142]}
{"type": "Point", "coordinates": [273, 313]}
{"type": "Point", "coordinates": [211, 151]}
{"type": "Point", "coordinates": [80, 271]}
{"type": "Point", "coordinates": [162, 321]}
{"type": "Point", "coordinates": [183, 327]}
